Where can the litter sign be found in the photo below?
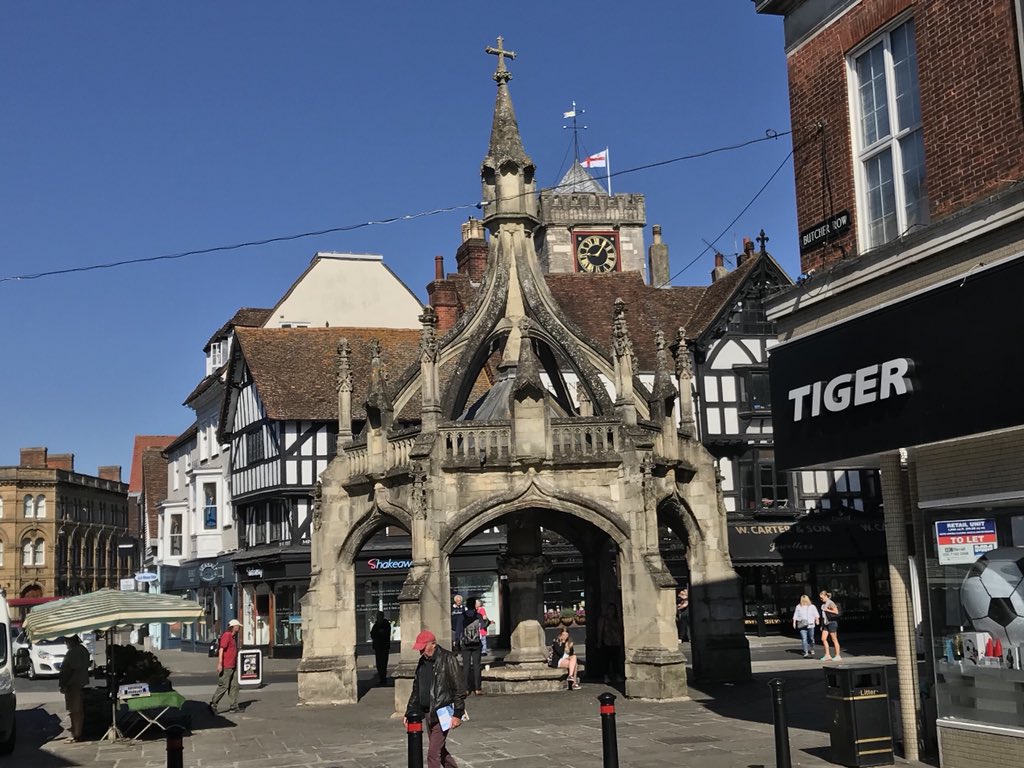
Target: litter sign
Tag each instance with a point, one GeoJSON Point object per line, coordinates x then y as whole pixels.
{"type": "Point", "coordinates": [964, 541]}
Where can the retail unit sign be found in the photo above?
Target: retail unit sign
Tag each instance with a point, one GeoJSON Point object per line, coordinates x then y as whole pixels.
{"type": "Point", "coordinates": [824, 231]}
{"type": "Point", "coordinates": [964, 541]}
{"type": "Point", "coordinates": [388, 564]}
{"type": "Point", "coordinates": [888, 378]}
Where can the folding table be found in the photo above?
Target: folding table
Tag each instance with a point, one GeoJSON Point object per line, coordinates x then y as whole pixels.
{"type": "Point", "coordinates": [158, 703]}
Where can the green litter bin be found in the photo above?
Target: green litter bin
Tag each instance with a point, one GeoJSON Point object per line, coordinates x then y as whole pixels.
{"type": "Point", "coordinates": [860, 731]}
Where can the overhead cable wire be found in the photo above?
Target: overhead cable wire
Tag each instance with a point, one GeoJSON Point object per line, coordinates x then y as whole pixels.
{"type": "Point", "coordinates": [770, 135]}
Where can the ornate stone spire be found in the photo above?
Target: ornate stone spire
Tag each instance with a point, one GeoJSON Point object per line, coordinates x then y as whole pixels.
{"type": "Point", "coordinates": [511, 195]}
{"type": "Point", "coordinates": [344, 384]}
{"type": "Point", "coordinates": [378, 398]}
{"type": "Point", "coordinates": [625, 366]}
{"type": "Point", "coordinates": [684, 378]}
{"type": "Point", "coordinates": [527, 370]}
{"type": "Point", "coordinates": [681, 353]}
{"type": "Point", "coordinates": [428, 335]}
{"type": "Point", "coordinates": [664, 390]}
{"type": "Point", "coordinates": [586, 405]}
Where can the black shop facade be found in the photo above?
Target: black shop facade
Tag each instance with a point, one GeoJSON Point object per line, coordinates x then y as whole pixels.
{"type": "Point", "coordinates": [780, 557]}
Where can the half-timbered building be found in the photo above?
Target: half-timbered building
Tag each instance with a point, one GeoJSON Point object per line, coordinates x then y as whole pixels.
{"type": "Point", "coordinates": [281, 420]}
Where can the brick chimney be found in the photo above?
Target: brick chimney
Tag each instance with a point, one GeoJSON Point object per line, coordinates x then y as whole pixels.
{"type": "Point", "coordinates": [65, 461]}
{"type": "Point", "coordinates": [471, 257]}
{"type": "Point", "coordinates": [657, 260]}
{"type": "Point", "coordinates": [720, 270]}
{"type": "Point", "coordinates": [34, 458]}
{"type": "Point", "coordinates": [443, 298]}
{"type": "Point", "coordinates": [748, 251]}
{"type": "Point", "coordinates": [110, 472]}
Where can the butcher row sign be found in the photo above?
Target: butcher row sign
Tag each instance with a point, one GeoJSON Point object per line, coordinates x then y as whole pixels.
{"type": "Point", "coordinates": [826, 230]}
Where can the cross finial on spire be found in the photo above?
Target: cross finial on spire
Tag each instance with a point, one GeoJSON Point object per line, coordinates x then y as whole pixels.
{"type": "Point", "coordinates": [501, 75]}
{"type": "Point", "coordinates": [763, 240]}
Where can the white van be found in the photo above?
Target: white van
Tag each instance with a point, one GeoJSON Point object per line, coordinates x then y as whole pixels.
{"type": "Point", "coordinates": [8, 701]}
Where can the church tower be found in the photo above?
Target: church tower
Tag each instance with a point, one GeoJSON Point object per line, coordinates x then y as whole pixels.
{"type": "Point", "coordinates": [584, 229]}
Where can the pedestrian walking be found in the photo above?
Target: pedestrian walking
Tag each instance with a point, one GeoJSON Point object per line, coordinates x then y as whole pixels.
{"type": "Point", "coordinates": [471, 651]}
{"type": "Point", "coordinates": [829, 625]}
{"type": "Point", "coordinates": [227, 672]}
{"type": "Point", "coordinates": [74, 676]}
{"type": "Point", "coordinates": [805, 619]}
{"type": "Point", "coordinates": [683, 615]}
{"type": "Point", "coordinates": [439, 695]}
{"type": "Point", "coordinates": [380, 639]}
{"type": "Point", "coordinates": [484, 624]}
{"type": "Point", "coordinates": [458, 621]}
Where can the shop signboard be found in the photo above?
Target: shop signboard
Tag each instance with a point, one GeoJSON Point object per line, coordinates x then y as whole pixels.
{"type": "Point", "coordinates": [964, 541]}
{"type": "Point", "coordinates": [146, 577]}
{"type": "Point", "coordinates": [824, 231]}
{"type": "Point", "coordinates": [886, 379]}
{"type": "Point", "coordinates": [127, 585]}
{"type": "Point", "coordinates": [250, 666]}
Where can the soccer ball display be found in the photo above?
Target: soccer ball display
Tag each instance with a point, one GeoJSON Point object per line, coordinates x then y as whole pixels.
{"type": "Point", "coordinates": [992, 594]}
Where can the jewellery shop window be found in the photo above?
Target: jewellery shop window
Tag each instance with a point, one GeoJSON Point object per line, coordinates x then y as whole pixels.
{"type": "Point", "coordinates": [975, 573]}
{"type": "Point", "coordinates": [288, 612]}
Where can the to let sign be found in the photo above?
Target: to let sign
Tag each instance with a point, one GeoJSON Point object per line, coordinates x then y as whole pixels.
{"type": "Point", "coordinates": [964, 541]}
{"type": "Point", "coordinates": [824, 231]}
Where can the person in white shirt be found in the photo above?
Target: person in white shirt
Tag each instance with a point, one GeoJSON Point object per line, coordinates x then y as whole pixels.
{"type": "Point", "coordinates": [805, 618]}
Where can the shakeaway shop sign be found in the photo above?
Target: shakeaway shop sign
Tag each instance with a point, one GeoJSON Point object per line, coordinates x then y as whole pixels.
{"type": "Point", "coordinates": [964, 541]}
{"type": "Point", "coordinates": [934, 366]}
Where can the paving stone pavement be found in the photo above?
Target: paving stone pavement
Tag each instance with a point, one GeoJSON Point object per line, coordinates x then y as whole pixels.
{"type": "Point", "coordinates": [724, 726]}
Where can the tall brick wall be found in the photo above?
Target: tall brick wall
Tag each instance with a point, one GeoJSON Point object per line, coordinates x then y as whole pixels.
{"type": "Point", "coordinates": [971, 107]}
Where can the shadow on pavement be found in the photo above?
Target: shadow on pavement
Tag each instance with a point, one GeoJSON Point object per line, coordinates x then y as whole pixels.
{"type": "Point", "coordinates": [806, 705]}
{"type": "Point", "coordinates": [35, 728]}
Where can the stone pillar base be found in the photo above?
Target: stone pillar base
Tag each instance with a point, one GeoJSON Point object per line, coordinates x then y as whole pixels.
{"type": "Point", "coordinates": [523, 678]}
{"type": "Point", "coordinates": [721, 659]}
{"type": "Point", "coordinates": [328, 680]}
{"type": "Point", "coordinates": [403, 677]}
{"type": "Point", "coordinates": [655, 673]}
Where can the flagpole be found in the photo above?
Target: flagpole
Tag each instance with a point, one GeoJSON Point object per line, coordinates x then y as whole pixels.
{"type": "Point", "coordinates": [608, 169]}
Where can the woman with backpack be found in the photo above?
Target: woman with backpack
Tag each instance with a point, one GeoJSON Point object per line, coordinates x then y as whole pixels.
{"type": "Point", "coordinates": [471, 651]}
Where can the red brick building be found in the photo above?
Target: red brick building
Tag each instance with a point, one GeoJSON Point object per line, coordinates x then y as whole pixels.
{"type": "Point", "coordinates": [901, 343]}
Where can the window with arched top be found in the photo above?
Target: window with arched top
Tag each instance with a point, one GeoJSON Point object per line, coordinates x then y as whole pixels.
{"type": "Point", "coordinates": [1, 554]}
{"type": "Point", "coordinates": [40, 552]}
{"type": "Point", "coordinates": [40, 506]}
{"type": "Point", "coordinates": [30, 508]}
{"type": "Point", "coordinates": [28, 552]}
{"type": "Point", "coordinates": [1, 507]}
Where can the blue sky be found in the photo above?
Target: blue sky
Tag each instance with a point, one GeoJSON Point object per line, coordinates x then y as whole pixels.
{"type": "Point", "coordinates": [131, 130]}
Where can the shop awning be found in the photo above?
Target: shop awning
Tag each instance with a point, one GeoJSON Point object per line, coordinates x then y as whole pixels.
{"type": "Point", "coordinates": [107, 609]}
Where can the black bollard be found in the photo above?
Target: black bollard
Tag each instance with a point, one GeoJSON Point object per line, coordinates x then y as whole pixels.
{"type": "Point", "coordinates": [175, 749]}
{"type": "Point", "coordinates": [608, 737]}
{"type": "Point", "coordinates": [414, 727]}
{"type": "Point", "coordinates": [782, 759]}
{"type": "Point", "coordinates": [761, 630]}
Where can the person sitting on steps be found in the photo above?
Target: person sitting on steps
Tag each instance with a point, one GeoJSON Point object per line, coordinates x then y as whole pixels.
{"type": "Point", "coordinates": [563, 655]}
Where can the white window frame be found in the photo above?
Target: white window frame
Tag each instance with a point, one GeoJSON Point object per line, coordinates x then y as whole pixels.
{"type": "Point", "coordinates": [861, 154]}
{"type": "Point", "coordinates": [40, 553]}
{"type": "Point", "coordinates": [40, 507]}
{"type": "Point", "coordinates": [30, 506]}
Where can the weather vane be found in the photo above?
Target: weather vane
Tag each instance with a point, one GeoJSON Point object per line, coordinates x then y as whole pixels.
{"type": "Point", "coordinates": [575, 128]}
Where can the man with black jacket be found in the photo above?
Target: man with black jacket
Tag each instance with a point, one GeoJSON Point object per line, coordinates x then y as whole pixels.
{"type": "Point", "coordinates": [439, 683]}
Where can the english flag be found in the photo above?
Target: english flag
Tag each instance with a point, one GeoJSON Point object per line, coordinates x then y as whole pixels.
{"type": "Point", "coordinates": [600, 160]}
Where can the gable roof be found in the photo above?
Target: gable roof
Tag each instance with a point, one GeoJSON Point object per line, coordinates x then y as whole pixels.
{"type": "Point", "coordinates": [143, 443]}
{"type": "Point", "coordinates": [295, 369]}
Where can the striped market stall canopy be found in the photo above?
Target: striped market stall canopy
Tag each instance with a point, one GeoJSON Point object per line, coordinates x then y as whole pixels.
{"type": "Point", "coordinates": [107, 609]}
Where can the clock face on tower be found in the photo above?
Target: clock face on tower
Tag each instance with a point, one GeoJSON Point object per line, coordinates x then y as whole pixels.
{"type": "Point", "coordinates": [596, 251]}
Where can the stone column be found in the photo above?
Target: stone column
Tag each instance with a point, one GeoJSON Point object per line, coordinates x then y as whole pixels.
{"type": "Point", "coordinates": [524, 564]}
{"type": "Point", "coordinates": [896, 515]}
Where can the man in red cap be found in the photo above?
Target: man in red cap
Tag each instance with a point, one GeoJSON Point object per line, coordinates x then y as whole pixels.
{"type": "Point", "coordinates": [439, 695]}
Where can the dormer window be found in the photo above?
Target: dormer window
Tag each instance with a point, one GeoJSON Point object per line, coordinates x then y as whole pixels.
{"type": "Point", "coordinates": [216, 357]}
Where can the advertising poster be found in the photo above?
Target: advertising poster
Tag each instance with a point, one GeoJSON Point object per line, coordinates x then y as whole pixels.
{"type": "Point", "coordinates": [964, 541]}
{"type": "Point", "coordinates": [250, 667]}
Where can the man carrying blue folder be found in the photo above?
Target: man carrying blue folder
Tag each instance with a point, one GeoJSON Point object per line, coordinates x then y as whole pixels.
{"type": "Point", "coordinates": [439, 695]}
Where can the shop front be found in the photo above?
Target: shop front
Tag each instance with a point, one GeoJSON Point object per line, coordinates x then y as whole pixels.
{"type": "Point", "coordinates": [841, 551]}
{"type": "Point", "coordinates": [211, 583]}
{"type": "Point", "coordinates": [927, 388]}
{"type": "Point", "coordinates": [272, 585]}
